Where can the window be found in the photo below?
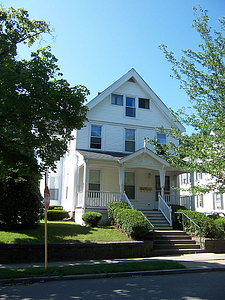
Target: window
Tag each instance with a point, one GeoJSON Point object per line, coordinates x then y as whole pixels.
{"type": "Point", "coordinates": [54, 194]}
{"type": "Point", "coordinates": [129, 140]}
{"type": "Point", "coordinates": [130, 107]}
{"type": "Point", "coordinates": [144, 103]}
{"type": "Point", "coordinates": [161, 140]}
{"type": "Point", "coordinates": [218, 201]}
{"type": "Point", "coordinates": [200, 202]}
{"type": "Point", "coordinates": [129, 184]}
{"type": "Point", "coordinates": [94, 180]}
{"type": "Point", "coordinates": [96, 139]}
{"type": "Point", "coordinates": [117, 99]}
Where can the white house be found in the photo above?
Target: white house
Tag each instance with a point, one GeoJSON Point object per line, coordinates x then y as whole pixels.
{"type": "Point", "coordinates": [207, 203]}
{"type": "Point", "coordinates": [109, 155]}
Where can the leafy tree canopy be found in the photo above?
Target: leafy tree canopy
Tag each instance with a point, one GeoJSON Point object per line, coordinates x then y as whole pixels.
{"type": "Point", "coordinates": [38, 109]}
{"type": "Point", "coordinates": [202, 76]}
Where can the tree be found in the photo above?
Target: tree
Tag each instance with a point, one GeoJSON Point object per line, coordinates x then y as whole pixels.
{"type": "Point", "coordinates": [38, 109]}
{"type": "Point", "coordinates": [202, 76]}
{"type": "Point", "coordinates": [38, 112]}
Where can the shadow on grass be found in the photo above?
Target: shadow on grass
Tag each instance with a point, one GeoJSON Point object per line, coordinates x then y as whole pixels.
{"type": "Point", "coordinates": [57, 232]}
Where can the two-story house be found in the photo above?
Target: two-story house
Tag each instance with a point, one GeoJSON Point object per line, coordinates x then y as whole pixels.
{"type": "Point", "coordinates": [108, 160]}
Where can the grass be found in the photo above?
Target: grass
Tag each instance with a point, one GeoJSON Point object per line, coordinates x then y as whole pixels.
{"type": "Point", "coordinates": [89, 269]}
{"type": "Point", "coordinates": [62, 232]}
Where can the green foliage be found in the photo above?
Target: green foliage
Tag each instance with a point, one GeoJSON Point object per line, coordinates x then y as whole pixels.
{"type": "Point", "coordinates": [220, 224]}
{"type": "Point", "coordinates": [55, 207]}
{"type": "Point", "coordinates": [91, 218]}
{"type": "Point", "coordinates": [20, 203]}
{"type": "Point", "coordinates": [111, 206]}
{"type": "Point", "coordinates": [201, 75]}
{"type": "Point", "coordinates": [56, 215]}
{"type": "Point", "coordinates": [130, 221]}
{"type": "Point", "coordinates": [208, 226]}
{"type": "Point", "coordinates": [176, 224]}
{"type": "Point", "coordinates": [39, 109]}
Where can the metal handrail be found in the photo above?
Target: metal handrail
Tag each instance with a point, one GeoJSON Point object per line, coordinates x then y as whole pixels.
{"type": "Point", "coordinates": [153, 227]}
{"type": "Point", "coordinates": [196, 225]}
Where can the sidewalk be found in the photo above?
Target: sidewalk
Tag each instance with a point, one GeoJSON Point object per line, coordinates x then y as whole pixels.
{"type": "Point", "coordinates": [190, 261]}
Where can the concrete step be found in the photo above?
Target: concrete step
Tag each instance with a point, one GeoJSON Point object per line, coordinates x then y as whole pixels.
{"type": "Point", "coordinates": [162, 252]}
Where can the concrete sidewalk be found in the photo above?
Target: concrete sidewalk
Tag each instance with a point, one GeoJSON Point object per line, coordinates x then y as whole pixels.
{"type": "Point", "coordinates": [190, 261]}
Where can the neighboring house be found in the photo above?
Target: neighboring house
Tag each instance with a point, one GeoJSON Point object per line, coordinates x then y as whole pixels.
{"type": "Point", "coordinates": [207, 203]}
{"type": "Point", "coordinates": [109, 156]}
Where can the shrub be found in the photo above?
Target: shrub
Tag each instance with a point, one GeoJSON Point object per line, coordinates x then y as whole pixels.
{"type": "Point", "coordinates": [208, 227]}
{"type": "Point", "coordinates": [220, 224]}
{"type": "Point", "coordinates": [176, 224]}
{"type": "Point", "coordinates": [56, 215]}
{"type": "Point", "coordinates": [130, 221]}
{"type": "Point", "coordinates": [91, 218]}
{"type": "Point", "coordinates": [55, 207]}
{"type": "Point", "coordinates": [111, 206]}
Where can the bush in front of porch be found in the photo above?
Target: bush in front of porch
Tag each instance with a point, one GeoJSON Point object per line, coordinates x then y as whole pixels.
{"type": "Point", "coordinates": [130, 221]}
{"type": "Point", "coordinates": [91, 218]}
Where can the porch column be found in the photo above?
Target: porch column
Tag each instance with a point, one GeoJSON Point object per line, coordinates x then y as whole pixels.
{"type": "Point", "coordinates": [85, 182]}
{"type": "Point", "coordinates": [121, 181]}
{"type": "Point", "coordinates": [162, 180]}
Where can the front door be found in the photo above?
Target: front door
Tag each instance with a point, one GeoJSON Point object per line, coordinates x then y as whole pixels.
{"type": "Point", "coordinates": [158, 188]}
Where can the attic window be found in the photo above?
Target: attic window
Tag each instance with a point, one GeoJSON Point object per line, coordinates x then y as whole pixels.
{"type": "Point", "coordinates": [117, 99]}
{"type": "Point", "coordinates": [143, 103]}
{"type": "Point", "coordinates": [131, 79]}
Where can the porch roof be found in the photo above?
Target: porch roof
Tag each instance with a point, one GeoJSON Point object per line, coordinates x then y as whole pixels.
{"type": "Point", "coordinates": [105, 155]}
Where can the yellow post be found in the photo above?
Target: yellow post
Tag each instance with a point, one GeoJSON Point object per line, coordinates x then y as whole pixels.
{"type": "Point", "coordinates": [46, 240]}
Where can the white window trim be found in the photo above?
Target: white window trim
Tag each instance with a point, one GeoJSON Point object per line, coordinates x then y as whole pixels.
{"type": "Point", "coordinates": [136, 106]}
{"type": "Point", "coordinates": [102, 136]}
{"type": "Point", "coordinates": [124, 138]}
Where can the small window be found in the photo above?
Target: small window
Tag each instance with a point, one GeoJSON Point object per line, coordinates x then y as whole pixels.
{"type": "Point", "coordinates": [144, 103]}
{"type": "Point", "coordinates": [129, 140]}
{"type": "Point", "coordinates": [117, 99]}
{"type": "Point", "coordinates": [94, 180]}
{"type": "Point", "coordinates": [96, 138]}
{"type": "Point", "coordinates": [130, 107]}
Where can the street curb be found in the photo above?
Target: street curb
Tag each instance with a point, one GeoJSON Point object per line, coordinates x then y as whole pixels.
{"type": "Point", "coordinates": [32, 280]}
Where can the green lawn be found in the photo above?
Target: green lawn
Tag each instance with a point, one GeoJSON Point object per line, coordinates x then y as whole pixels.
{"type": "Point", "coordinates": [89, 269]}
{"type": "Point", "coordinates": [63, 232]}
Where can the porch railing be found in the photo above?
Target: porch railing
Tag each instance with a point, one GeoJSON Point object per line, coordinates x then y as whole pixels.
{"type": "Point", "coordinates": [179, 200]}
{"type": "Point", "coordinates": [127, 200]}
{"type": "Point", "coordinates": [101, 199]}
{"type": "Point", "coordinates": [165, 209]}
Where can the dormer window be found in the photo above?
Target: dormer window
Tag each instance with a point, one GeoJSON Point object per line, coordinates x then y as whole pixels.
{"type": "Point", "coordinates": [117, 99]}
{"type": "Point", "coordinates": [130, 107]}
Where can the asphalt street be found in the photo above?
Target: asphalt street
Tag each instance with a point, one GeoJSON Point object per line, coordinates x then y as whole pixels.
{"type": "Point", "coordinates": [188, 286]}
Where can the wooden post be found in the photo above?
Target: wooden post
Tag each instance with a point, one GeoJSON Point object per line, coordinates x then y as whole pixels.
{"type": "Point", "coordinates": [46, 241]}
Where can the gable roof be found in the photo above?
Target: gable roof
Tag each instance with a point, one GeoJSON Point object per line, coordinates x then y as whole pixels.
{"type": "Point", "coordinates": [133, 75]}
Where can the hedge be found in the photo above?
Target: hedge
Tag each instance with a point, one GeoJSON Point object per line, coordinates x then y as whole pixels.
{"type": "Point", "coordinates": [208, 226]}
{"type": "Point", "coordinates": [130, 221]}
{"type": "Point", "coordinates": [56, 215]}
{"type": "Point", "coordinates": [111, 206]}
{"type": "Point", "coordinates": [55, 207]}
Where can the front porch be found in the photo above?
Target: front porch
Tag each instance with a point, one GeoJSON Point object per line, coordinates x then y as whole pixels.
{"type": "Point", "coordinates": [143, 179]}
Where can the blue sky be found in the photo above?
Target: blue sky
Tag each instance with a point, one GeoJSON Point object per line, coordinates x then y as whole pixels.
{"type": "Point", "coordinates": [97, 41]}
